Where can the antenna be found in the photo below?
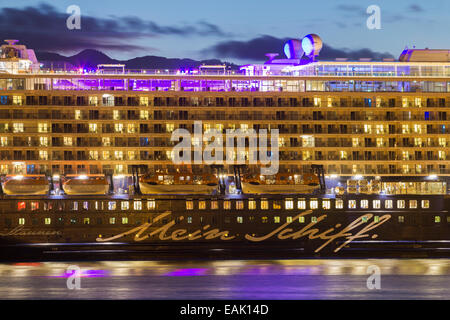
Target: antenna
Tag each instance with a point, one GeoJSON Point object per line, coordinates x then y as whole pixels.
{"type": "Point", "coordinates": [271, 56]}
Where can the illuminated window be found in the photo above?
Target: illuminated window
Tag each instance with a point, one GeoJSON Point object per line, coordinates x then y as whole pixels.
{"type": "Point", "coordinates": [43, 155]}
{"type": "Point", "coordinates": [78, 115]}
{"type": "Point", "coordinates": [189, 205]}
{"type": "Point", "coordinates": [401, 204]}
{"type": "Point", "coordinates": [189, 219]}
{"type": "Point", "coordinates": [314, 219]}
{"type": "Point", "coordinates": [264, 219]}
{"type": "Point", "coordinates": [401, 219]}
{"type": "Point", "coordinates": [352, 204]}
{"type": "Point", "coordinates": [116, 115]}
{"type": "Point", "coordinates": [93, 128]}
{"type": "Point", "coordinates": [301, 219]}
{"type": "Point", "coordinates": [251, 204]}
{"type": "Point", "coordinates": [227, 205]}
{"type": "Point", "coordinates": [112, 220]}
{"type": "Point", "coordinates": [364, 219]}
{"type": "Point", "coordinates": [22, 221]}
{"type": "Point", "coordinates": [202, 204]}
{"type": "Point", "coordinates": [264, 204]}
{"type": "Point", "coordinates": [239, 205]}
{"type": "Point", "coordinates": [118, 155]}
{"type": "Point", "coordinates": [47, 220]}
{"type": "Point", "coordinates": [376, 218]}
{"type": "Point", "coordinates": [34, 205]}
{"type": "Point", "coordinates": [3, 141]}
{"type": "Point", "coordinates": [277, 204]}
{"type": "Point", "coordinates": [93, 101]}
{"type": "Point", "coordinates": [75, 206]}
{"type": "Point", "coordinates": [131, 128]}
{"type": "Point", "coordinates": [17, 100]}
{"type": "Point", "coordinates": [93, 155]}
{"type": "Point", "coordinates": [86, 221]}
{"type": "Point", "coordinates": [289, 219]}
{"type": "Point", "coordinates": [326, 204]}
{"type": "Point", "coordinates": [143, 114]}
{"type": "Point", "coordinates": [437, 219]}
{"type": "Point", "coordinates": [339, 204]}
{"type": "Point", "coordinates": [151, 204]}
{"type": "Point", "coordinates": [425, 204]}
{"type": "Point", "coordinates": [289, 204]}
{"type": "Point", "coordinates": [364, 204]}
{"type": "Point", "coordinates": [43, 141]}
{"type": "Point", "coordinates": [68, 141]}
{"type": "Point", "coordinates": [276, 219]}
{"type": "Point", "coordinates": [125, 205]}
{"type": "Point", "coordinates": [118, 127]}
{"type": "Point", "coordinates": [214, 205]}
{"type": "Point", "coordinates": [124, 220]}
{"type": "Point", "coordinates": [111, 205]}
{"type": "Point", "coordinates": [314, 204]}
{"type": "Point", "coordinates": [413, 204]}
{"type": "Point", "coordinates": [388, 204]}
{"type": "Point", "coordinates": [301, 204]}
{"type": "Point", "coordinates": [18, 127]}
{"type": "Point", "coordinates": [376, 204]}
{"type": "Point", "coordinates": [239, 219]}
{"type": "Point", "coordinates": [137, 205]}
{"type": "Point", "coordinates": [105, 155]}
{"type": "Point", "coordinates": [143, 101]}
{"type": "Point", "coordinates": [170, 127]}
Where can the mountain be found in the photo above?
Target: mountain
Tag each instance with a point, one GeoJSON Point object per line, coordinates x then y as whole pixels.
{"type": "Point", "coordinates": [91, 58]}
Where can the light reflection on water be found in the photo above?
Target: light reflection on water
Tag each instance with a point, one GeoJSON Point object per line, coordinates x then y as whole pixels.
{"type": "Point", "coordinates": [229, 279]}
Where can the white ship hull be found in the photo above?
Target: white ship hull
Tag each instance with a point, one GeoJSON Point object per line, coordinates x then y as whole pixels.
{"type": "Point", "coordinates": [278, 188]}
{"type": "Point", "coordinates": [85, 189]}
{"type": "Point", "coordinates": [25, 189]}
{"type": "Point", "coordinates": [147, 188]}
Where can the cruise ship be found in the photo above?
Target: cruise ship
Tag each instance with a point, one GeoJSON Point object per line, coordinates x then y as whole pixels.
{"type": "Point", "coordinates": [87, 158]}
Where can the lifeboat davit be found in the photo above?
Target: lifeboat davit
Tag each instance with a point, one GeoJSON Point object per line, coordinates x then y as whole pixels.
{"type": "Point", "coordinates": [85, 185]}
{"type": "Point", "coordinates": [26, 185]}
{"type": "Point", "coordinates": [178, 183]}
{"type": "Point", "coordinates": [280, 184]}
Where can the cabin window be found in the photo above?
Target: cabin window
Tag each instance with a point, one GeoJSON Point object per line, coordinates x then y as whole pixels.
{"type": "Point", "coordinates": [189, 219]}
{"type": "Point", "coordinates": [326, 204]}
{"type": "Point", "coordinates": [376, 204]}
{"type": "Point", "coordinates": [48, 206]}
{"type": "Point", "coordinates": [401, 219]}
{"type": "Point", "coordinates": [75, 206]}
{"type": "Point", "coordinates": [388, 204]}
{"type": "Point", "coordinates": [85, 205]}
{"type": "Point", "coordinates": [214, 205]}
{"type": "Point", "coordinates": [86, 221]}
{"type": "Point", "coordinates": [112, 220]}
{"type": "Point", "coordinates": [276, 219]}
{"type": "Point", "coordinates": [47, 220]}
{"type": "Point", "coordinates": [364, 219]}
{"type": "Point", "coordinates": [22, 221]}
{"type": "Point", "coordinates": [251, 204]}
{"type": "Point", "coordinates": [264, 219]}
{"type": "Point", "coordinates": [125, 205]}
{"type": "Point", "coordinates": [288, 219]}
{"type": "Point", "coordinates": [97, 207]}
{"type": "Point", "coordinates": [34, 205]}
{"type": "Point", "coordinates": [227, 205]}
{"type": "Point", "coordinates": [339, 204]}
{"type": "Point", "coordinates": [289, 204]}
{"type": "Point", "coordinates": [111, 205]}
{"type": "Point", "coordinates": [124, 220]}
{"type": "Point", "coordinates": [301, 204]}
{"type": "Point", "coordinates": [137, 205]}
{"type": "Point", "coordinates": [264, 204]}
{"type": "Point", "coordinates": [301, 219]}
{"type": "Point", "coordinates": [21, 206]}
{"type": "Point", "coordinates": [73, 221]}
{"type": "Point", "coordinates": [437, 219]}
{"type": "Point", "coordinates": [239, 205]}
{"type": "Point", "coordinates": [189, 205]}
{"type": "Point", "coordinates": [413, 204]}
{"type": "Point", "coordinates": [277, 204]}
{"type": "Point", "coordinates": [239, 219]}
{"type": "Point", "coordinates": [376, 218]}
{"type": "Point", "coordinates": [401, 204]}
{"type": "Point", "coordinates": [448, 219]}
{"type": "Point", "coordinates": [151, 204]}
{"type": "Point", "coordinates": [425, 204]}
{"type": "Point", "coordinates": [202, 205]}
{"type": "Point", "coordinates": [314, 204]}
{"type": "Point", "coordinates": [364, 204]}
{"type": "Point", "coordinates": [313, 219]}
{"type": "Point", "coordinates": [352, 204]}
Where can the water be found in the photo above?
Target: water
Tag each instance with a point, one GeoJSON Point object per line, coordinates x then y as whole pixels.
{"type": "Point", "coordinates": [229, 279]}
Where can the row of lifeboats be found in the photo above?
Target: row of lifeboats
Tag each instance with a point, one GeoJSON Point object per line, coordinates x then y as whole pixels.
{"type": "Point", "coordinates": [162, 184]}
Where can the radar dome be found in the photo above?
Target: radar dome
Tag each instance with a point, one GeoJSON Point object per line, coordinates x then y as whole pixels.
{"type": "Point", "coordinates": [312, 44]}
{"type": "Point", "coordinates": [293, 49]}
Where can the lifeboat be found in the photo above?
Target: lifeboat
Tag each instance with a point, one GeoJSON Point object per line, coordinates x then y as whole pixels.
{"type": "Point", "coordinates": [280, 183]}
{"type": "Point", "coordinates": [85, 185]}
{"type": "Point", "coordinates": [178, 183]}
{"type": "Point", "coordinates": [26, 185]}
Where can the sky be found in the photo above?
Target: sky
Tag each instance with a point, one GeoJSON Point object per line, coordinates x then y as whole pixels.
{"type": "Point", "coordinates": [238, 31]}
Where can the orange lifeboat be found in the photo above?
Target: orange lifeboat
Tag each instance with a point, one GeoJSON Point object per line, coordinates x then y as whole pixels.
{"type": "Point", "coordinates": [280, 183]}
{"type": "Point", "coordinates": [26, 185]}
{"type": "Point", "coordinates": [85, 185]}
{"type": "Point", "coordinates": [178, 183]}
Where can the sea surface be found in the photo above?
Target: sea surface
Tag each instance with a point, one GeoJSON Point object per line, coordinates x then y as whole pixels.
{"type": "Point", "coordinates": [229, 279]}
